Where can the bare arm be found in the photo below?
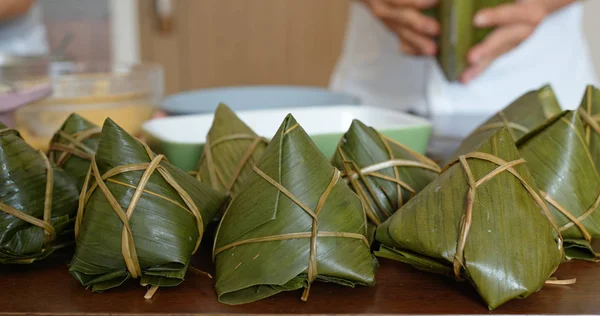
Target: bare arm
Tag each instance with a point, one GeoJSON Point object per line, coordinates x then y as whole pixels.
{"type": "Point", "coordinates": [13, 8]}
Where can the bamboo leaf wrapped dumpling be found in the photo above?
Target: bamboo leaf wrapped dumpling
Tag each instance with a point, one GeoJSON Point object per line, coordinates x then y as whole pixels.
{"type": "Point", "coordinates": [230, 151]}
{"type": "Point", "coordinates": [384, 173]}
{"type": "Point", "coordinates": [589, 110]}
{"type": "Point", "coordinates": [525, 114]}
{"type": "Point", "coordinates": [74, 145]}
{"type": "Point", "coordinates": [562, 167]}
{"type": "Point", "coordinates": [482, 220]}
{"type": "Point", "coordinates": [38, 202]}
{"type": "Point", "coordinates": [294, 222]}
{"type": "Point", "coordinates": [139, 216]}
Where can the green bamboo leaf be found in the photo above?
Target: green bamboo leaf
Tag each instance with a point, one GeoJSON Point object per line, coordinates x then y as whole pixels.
{"type": "Point", "coordinates": [230, 151]}
{"type": "Point", "coordinates": [589, 111]}
{"type": "Point", "coordinates": [384, 173]}
{"type": "Point", "coordinates": [563, 169]}
{"type": "Point", "coordinates": [275, 216]}
{"type": "Point", "coordinates": [74, 145]}
{"type": "Point", "coordinates": [529, 111]}
{"type": "Point", "coordinates": [492, 229]}
{"type": "Point", "coordinates": [149, 236]}
{"type": "Point", "coordinates": [38, 202]}
{"type": "Point", "coordinates": [458, 34]}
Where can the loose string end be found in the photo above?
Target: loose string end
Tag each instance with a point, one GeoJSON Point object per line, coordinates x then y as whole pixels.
{"type": "Point", "coordinates": [151, 291]}
{"type": "Point", "coordinates": [304, 297]}
{"type": "Point", "coordinates": [555, 281]}
{"type": "Point", "coordinates": [200, 272]}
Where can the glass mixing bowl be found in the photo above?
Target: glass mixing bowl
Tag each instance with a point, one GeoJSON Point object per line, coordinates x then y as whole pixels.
{"type": "Point", "coordinates": [128, 94]}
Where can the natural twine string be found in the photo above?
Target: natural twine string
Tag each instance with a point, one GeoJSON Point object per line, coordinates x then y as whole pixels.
{"type": "Point", "coordinates": [215, 176]}
{"type": "Point", "coordinates": [45, 223]}
{"type": "Point", "coordinates": [75, 146]}
{"type": "Point", "coordinates": [97, 180]}
{"type": "Point", "coordinates": [503, 166]}
{"type": "Point", "coordinates": [314, 234]}
{"type": "Point", "coordinates": [357, 177]}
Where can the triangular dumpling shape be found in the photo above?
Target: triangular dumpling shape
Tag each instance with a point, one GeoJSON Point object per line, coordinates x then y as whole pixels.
{"type": "Point", "coordinates": [139, 216]}
{"type": "Point", "coordinates": [270, 240]}
{"type": "Point", "coordinates": [482, 220]}
{"type": "Point", "coordinates": [230, 151]}
{"type": "Point", "coordinates": [384, 173]}
{"type": "Point", "coordinates": [523, 115]}
{"type": "Point", "coordinates": [563, 169]}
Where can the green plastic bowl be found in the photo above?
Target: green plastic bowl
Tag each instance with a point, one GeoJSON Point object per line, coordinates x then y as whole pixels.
{"type": "Point", "coordinates": [181, 138]}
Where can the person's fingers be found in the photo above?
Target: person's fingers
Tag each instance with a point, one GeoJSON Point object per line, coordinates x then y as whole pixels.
{"type": "Point", "coordinates": [499, 42]}
{"type": "Point", "coordinates": [408, 49]}
{"type": "Point", "coordinates": [407, 17]}
{"type": "Point", "coordinates": [424, 44]}
{"type": "Point", "coordinates": [523, 12]}
{"type": "Point", "coordinates": [418, 4]}
{"type": "Point", "coordinates": [474, 71]}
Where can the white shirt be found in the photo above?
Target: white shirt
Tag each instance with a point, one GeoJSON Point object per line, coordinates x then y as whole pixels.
{"type": "Point", "coordinates": [373, 68]}
{"type": "Point", "coordinates": [24, 35]}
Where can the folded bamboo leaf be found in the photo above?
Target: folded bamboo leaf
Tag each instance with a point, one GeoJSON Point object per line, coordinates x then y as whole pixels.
{"type": "Point", "coordinates": [74, 145]}
{"type": "Point", "coordinates": [383, 173]}
{"type": "Point", "coordinates": [294, 222]}
{"type": "Point", "coordinates": [482, 220]}
{"type": "Point", "coordinates": [230, 151]}
{"type": "Point", "coordinates": [589, 111]}
{"type": "Point", "coordinates": [458, 34]}
{"type": "Point", "coordinates": [523, 115]}
{"type": "Point", "coordinates": [139, 216]}
{"type": "Point", "coordinates": [38, 202]}
{"type": "Point", "coordinates": [563, 169]}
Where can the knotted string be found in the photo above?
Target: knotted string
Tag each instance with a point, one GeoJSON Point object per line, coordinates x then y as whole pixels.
{"type": "Point", "coordinates": [76, 146]}
{"type": "Point", "coordinates": [97, 180]}
{"type": "Point", "coordinates": [215, 176]}
{"type": "Point", "coordinates": [46, 222]}
{"type": "Point", "coordinates": [314, 234]}
{"type": "Point", "coordinates": [503, 166]}
{"type": "Point", "coordinates": [357, 177]}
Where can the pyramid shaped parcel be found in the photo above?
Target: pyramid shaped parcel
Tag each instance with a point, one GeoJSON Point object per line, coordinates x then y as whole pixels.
{"type": "Point", "coordinates": [139, 216]}
{"type": "Point", "coordinates": [296, 221]}
{"type": "Point", "coordinates": [563, 168]}
{"type": "Point", "coordinates": [384, 173]}
{"type": "Point", "coordinates": [482, 220]}
{"type": "Point", "coordinates": [529, 111]}
{"type": "Point", "coordinates": [38, 202]}
{"type": "Point", "coordinates": [230, 151]}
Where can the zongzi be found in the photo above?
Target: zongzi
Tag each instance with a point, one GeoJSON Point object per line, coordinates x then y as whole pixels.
{"type": "Point", "coordinates": [294, 222]}
{"type": "Point", "coordinates": [562, 167]}
{"type": "Point", "coordinates": [458, 34]}
{"type": "Point", "coordinates": [38, 202]}
{"type": "Point", "coordinates": [526, 113]}
{"type": "Point", "coordinates": [383, 173]}
{"type": "Point", "coordinates": [589, 110]}
{"type": "Point", "coordinates": [74, 145]}
{"type": "Point", "coordinates": [139, 216]}
{"type": "Point", "coordinates": [230, 151]}
{"type": "Point", "coordinates": [482, 220]}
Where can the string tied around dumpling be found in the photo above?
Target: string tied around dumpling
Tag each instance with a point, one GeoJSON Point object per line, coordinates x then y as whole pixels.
{"type": "Point", "coordinates": [503, 166]}
{"type": "Point", "coordinates": [95, 180]}
{"type": "Point", "coordinates": [356, 177]}
{"type": "Point", "coordinates": [215, 176]}
{"type": "Point", "coordinates": [313, 235]}
{"type": "Point", "coordinates": [46, 222]}
{"type": "Point", "coordinates": [74, 146]}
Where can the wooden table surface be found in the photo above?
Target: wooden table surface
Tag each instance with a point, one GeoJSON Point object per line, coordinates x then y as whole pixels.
{"type": "Point", "coordinates": [47, 288]}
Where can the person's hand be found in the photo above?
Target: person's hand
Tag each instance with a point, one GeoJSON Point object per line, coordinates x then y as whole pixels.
{"type": "Point", "coordinates": [514, 22]}
{"type": "Point", "coordinates": [414, 29]}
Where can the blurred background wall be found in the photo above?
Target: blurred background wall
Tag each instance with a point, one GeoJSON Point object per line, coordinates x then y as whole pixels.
{"type": "Point", "coordinates": [126, 30]}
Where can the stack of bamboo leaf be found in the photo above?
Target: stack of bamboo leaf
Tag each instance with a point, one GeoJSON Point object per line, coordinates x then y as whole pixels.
{"type": "Point", "coordinates": [139, 216]}
{"type": "Point", "coordinates": [458, 34]}
{"type": "Point", "coordinates": [38, 202]}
